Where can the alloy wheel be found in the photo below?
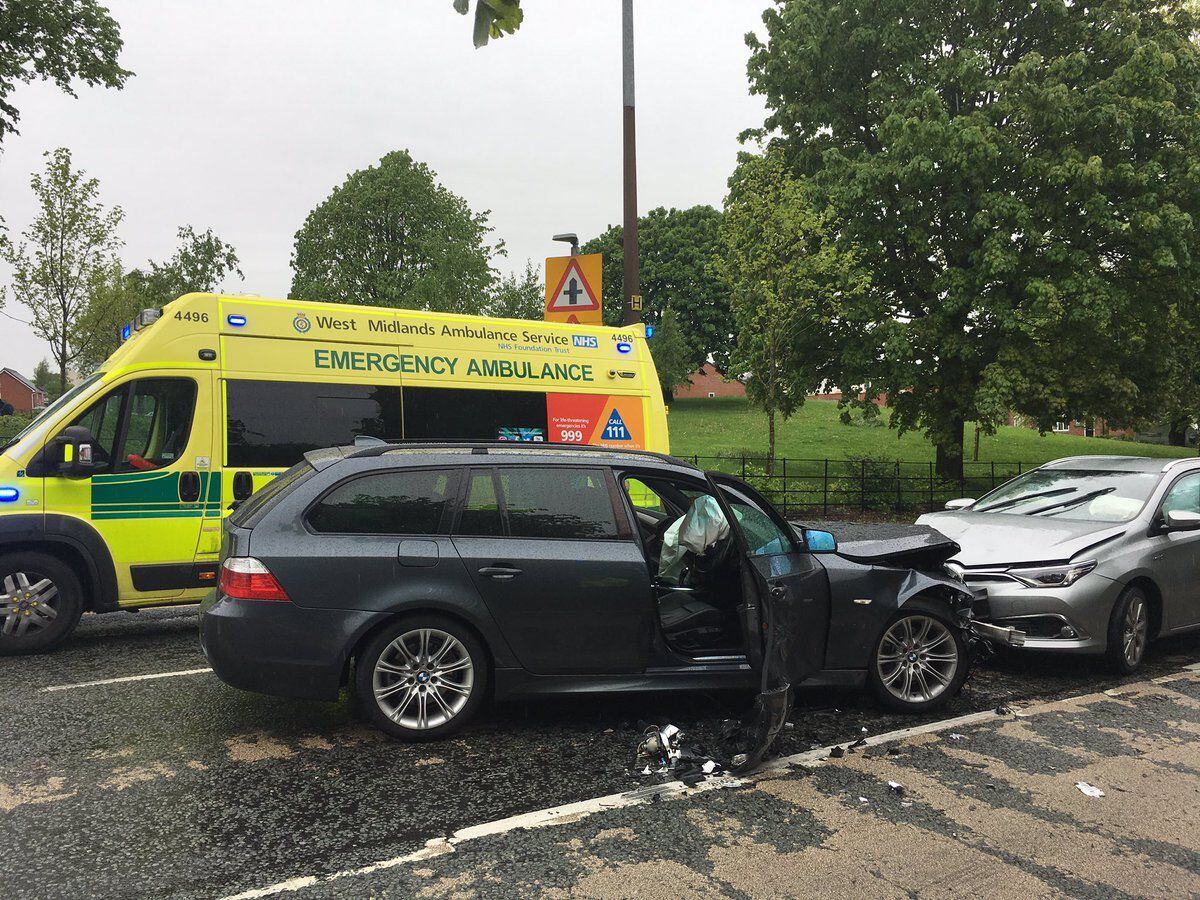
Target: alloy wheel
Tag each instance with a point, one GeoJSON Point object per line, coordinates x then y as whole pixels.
{"type": "Point", "coordinates": [29, 602]}
{"type": "Point", "coordinates": [423, 678]}
{"type": "Point", "coordinates": [917, 658]}
{"type": "Point", "coordinates": [1134, 631]}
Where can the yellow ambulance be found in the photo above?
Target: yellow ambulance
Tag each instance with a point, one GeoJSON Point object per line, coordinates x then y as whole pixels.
{"type": "Point", "coordinates": [113, 497]}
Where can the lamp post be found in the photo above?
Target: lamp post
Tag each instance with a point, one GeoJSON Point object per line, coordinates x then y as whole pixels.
{"type": "Point", "coordinates": [569, 237]}
{"type": "Point", "coordinates": [631, 313]}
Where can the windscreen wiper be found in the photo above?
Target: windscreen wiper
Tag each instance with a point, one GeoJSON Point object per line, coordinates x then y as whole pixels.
{"type": "Point", "coordinates": [1071, 501]}
{"type": "Point", "coordinates": [1013, 501]}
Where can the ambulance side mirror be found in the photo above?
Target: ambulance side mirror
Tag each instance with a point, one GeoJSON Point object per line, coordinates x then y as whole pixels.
{"type": "Point", "coordinates": [76, 452]}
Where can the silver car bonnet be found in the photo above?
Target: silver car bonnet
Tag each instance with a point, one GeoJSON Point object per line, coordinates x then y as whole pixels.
{"type": "Point", "coordinates": [991, 539]}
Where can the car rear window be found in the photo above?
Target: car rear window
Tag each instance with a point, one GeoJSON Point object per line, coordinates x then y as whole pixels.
{"type": "Point", "coordinates": [250, 510]}
{"type": "Point", "coordinates": [397, 502]}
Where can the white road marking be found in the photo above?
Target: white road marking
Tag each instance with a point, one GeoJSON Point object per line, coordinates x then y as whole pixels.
{"type": "Point", "coordinates": [83, 684]}
{"type": "Point", "coordinates": [573, 812]}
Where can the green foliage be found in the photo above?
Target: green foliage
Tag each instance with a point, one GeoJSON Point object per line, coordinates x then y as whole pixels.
{"type": "Point", "coordinates": [676, 252]}
{"type": "Point", "coordinates": [493, 18]}
{"type": "Point", "coordinates": [390, 235]}
{"type": "Point", "coordinates": [201, 262]}
{"type": "Point", "coordinates": [62, 41]}
{"type": "Point", "coordinates": [517, 296]}
{"type": "Point", "coordinates": [46, 381]}
{"type": "Point", "coordinates": [787, 278]}
{"type": "Point", "coordinates": [672, 356]}
{"type": "Point", "coordinates": [1022, 181]}
{"type": "Point", "coordinates": [65, 250]}
{"type": "Point", "coordinates": [12, 425]}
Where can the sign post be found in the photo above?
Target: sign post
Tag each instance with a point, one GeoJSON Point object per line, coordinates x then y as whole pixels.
{"type": "Point", "coordinates": [573, 289]}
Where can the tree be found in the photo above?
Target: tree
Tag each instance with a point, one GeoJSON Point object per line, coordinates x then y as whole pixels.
{"type": "Point", "coordinates": [201, 262]}
{"type": "Point", "coordinates": [788, 278]}
{"type": "Point", "coordinates": [672, 356]}
{"type": "Point", "coordinates": [493, 18]}
{"type": "Point", "coordinates": [55, 40]}
{"type": "Point", "coordinates": [517, 296]}
{"type": "Point", "coordinates": [65, 250]}
{"type": "Point", "coordinates": [1021, 179]}
{"type": "Point", "coordinates": [46, 381]}
{"type": "Point", "coordinates": [390, 235]}
{"type": "Point", "coordinates": [676, 250]}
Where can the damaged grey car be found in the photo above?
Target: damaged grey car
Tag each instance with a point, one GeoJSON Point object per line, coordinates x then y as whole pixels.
{"type": "Point", "coordinates": [430, 577]}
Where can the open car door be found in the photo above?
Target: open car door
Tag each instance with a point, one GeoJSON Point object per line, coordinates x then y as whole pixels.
{"type": "Point", "coordinates": [785, 606]}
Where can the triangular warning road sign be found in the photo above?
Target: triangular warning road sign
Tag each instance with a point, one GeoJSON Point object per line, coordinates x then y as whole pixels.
{"type": "Point", "coordinates": [573, 292]}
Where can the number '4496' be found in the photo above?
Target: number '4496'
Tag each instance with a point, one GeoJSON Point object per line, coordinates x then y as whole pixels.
{"type": "Point", "coordinates": [192, 316]}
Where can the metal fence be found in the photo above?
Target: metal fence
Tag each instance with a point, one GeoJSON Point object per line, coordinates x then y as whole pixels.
{"type": "Point", "coordinates": [859, 485]}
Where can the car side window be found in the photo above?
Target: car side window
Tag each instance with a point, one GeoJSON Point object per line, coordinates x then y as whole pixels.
{"type": "Point", "coordinates": [481, 513]}
{"type": "Point", "coordinates": [558, 502]}
{"type": "Point", "coordinates": [1184, 496]}
{"type": "Point", "coordinates": [397, 502]}
{"type": "Point", "coordinates": [763, 537]}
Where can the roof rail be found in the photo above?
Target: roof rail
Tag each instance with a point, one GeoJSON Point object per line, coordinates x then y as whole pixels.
{"type": "Point", "coordinates": [483, 447]}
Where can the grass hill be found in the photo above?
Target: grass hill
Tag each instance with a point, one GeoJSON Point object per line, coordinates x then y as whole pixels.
{"type": "Point", "coordinates": [731, 426]}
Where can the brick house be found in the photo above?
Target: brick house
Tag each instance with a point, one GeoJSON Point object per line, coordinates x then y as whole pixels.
{"type": "Point", "coordinates": [708, 383]}
{"type": "Point", "coordinates": [1098, 428]}
{"type": "Point", "coordinates": [19, 392]}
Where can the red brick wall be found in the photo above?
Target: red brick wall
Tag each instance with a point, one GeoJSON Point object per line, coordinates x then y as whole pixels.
{"type": "Point", "coordinates": [709, 380]}
{"type": "Point", "coordinates": [22, 399]}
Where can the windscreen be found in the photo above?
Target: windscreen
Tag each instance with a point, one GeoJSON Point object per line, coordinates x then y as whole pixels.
{"type": "Point", "coordinates": [1090, 495]}
{"type": "Point", "coordinates": [46, 415]}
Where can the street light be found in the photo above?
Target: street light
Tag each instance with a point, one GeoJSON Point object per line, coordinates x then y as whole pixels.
{"type": "Point", "coordinates": [632, 312]}
{"type": "Point", "coordinates": [569, 237]}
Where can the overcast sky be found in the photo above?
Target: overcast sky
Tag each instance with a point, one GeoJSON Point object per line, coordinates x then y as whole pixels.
{"type": "Point", "coordinates": [244, 115]}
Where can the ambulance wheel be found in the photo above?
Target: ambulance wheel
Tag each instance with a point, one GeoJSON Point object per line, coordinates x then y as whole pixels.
{"type": "Point", "coordinates": [41, 601]}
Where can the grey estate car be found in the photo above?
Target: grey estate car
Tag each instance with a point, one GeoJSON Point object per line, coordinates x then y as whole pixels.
{"type": "Point", "coordinates": [1089, 554]}
{"type": "Point", "coordinates": [428, 576]}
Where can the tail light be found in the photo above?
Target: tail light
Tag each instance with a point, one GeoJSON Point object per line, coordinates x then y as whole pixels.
{"type": "Point", "coordinates": [245, 578]}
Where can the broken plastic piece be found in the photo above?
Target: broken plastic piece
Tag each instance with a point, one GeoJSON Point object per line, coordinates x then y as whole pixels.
{"type": "Point", "coordinates": [896, 787]}
{"type": "Point", "coordinates": [955, 736]}
{"type": "Point", "coordinates": [1089, 789]}
{"type": "Point", "coordinates": [1003, 710]}
{"type": "Point", "coordinates": [837, 752]}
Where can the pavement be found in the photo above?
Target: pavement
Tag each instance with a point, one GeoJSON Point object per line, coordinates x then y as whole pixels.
{"type": "Point", "coordinates": [175, 785]}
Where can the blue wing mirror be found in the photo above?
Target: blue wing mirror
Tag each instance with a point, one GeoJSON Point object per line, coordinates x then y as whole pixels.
{"type": "Point", "coordinates": [820, 541]}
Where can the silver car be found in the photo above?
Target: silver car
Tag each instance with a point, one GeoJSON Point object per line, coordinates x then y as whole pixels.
{"type": "Point", "coordinates": [1089, 554]}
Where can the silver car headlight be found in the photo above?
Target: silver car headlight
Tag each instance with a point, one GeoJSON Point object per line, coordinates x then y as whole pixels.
{"type": "Point", "coordinates": [1053, 576]}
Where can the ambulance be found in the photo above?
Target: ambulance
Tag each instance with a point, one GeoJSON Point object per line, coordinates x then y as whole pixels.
{"type": "Point", "coordinates": [113, 497]}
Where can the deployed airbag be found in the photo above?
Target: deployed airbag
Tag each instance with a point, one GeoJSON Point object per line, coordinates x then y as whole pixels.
{"type": "Point", "coordinates": [694, 532]}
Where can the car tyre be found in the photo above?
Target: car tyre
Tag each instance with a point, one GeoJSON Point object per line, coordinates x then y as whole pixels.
{"type": "Point", "coordinates": [1128, 631]}
{"type": "Point", "coordinates": [41, 601]}
{"type": "Point", "coordinates": [422, 678]}
{"type": "Point", "coordinates": [920, 660]}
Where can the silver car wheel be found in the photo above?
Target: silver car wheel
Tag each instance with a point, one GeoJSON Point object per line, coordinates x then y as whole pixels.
{"type": "Point", "coordinates": [917, 658]}
{"type": "Point", "coordinates": [28, 603]}
{"type": "Point", "coordinates": [1134, 632]}
{"type": "Point", "coordinates": [423, 678]}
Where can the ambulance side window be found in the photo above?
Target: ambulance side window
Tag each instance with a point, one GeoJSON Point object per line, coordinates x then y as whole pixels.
{"type": "Point", "coordinates": [274, 423]}
{"type": "Point", "coordinates": [160, 421]}
{"type": "Point", "coordinates": [102, 419]}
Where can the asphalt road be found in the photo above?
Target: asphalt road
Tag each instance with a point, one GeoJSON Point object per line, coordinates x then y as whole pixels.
{"type": "Point", "coordinates": [183, 787]}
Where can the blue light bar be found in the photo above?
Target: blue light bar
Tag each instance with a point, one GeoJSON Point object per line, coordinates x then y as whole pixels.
{"type": "Point", "coordinates": [624, 347]}
{"type": "Point", "coordinates": [649, 331]}
{"type": "Point", "coordinates": [236, 321]}
{"type": "Point", "coordinates": [9, 494]}
{"type": "Point", "coordinates": [126, 332]}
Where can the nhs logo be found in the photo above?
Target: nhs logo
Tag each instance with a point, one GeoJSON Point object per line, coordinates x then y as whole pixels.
{"type": "Point", "coordinates": [585, 340]}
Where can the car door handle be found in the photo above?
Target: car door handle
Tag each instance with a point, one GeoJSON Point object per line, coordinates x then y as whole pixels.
{"type": "Point", "coordinates": [499, 573]}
